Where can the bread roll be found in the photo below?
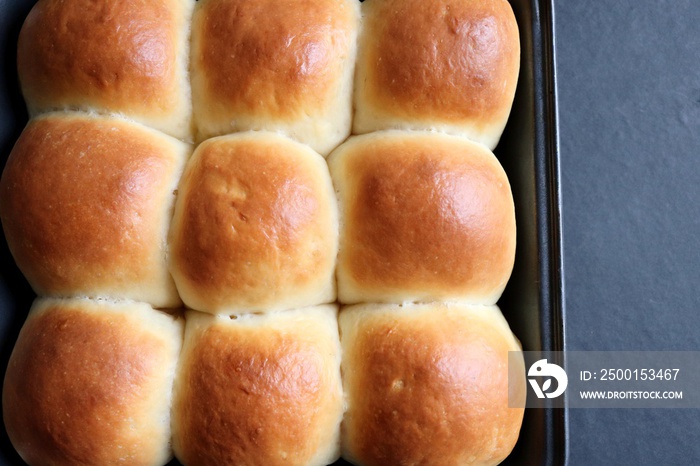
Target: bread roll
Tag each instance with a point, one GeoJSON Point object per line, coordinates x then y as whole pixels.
{"type": "Point", "coordinates": [437, 64]}
{"type": "Point", "coordinates": [277, 65]}
{"type": "Point", "coordinates": [128, 57]}
{"type": "Point", "coordinates": [90, 383]}
{"type": "Point", "coordinates": [430, 384]}
{"type": "Point", "coordinates": [86, 203]}
{"type": "Point", "coordinates": [259, 389]}
{"type": "Point", "coordinates": [424, 217]}
{"type": "Point", "coordinates": [255, 226]}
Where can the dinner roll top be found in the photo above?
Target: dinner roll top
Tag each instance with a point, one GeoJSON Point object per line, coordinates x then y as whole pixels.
{"type": "Point", "coordinates": [90, 383]}
{"type": "Point", "coordinates": [437, 64]}
{"type": "Point", "coordinates": [253, 239]}
{"type": "Point", "coordinates": [128, 57]}
{"type": "Point", "coordinates": [259, 389]}
{"type": "Point", "coordinates": [425, 216]}
{"type": "Point", "coordinates": [255, 226]}
{"type": "Point", "coordinates": [284, 66]}
{"type": "Point", "coordinates": [86, 204]}
{"type": "Point", "coordinates": [430, 384]}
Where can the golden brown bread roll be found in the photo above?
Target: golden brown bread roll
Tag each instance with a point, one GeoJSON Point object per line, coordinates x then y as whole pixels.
{"type": "Point", "coordinates": [90, 383]}
{"type": "Point", "coordinates": [255, 226]}
{"type": "Point", "coordinates": [424, 216]}
{"type": "Point", "coordinates": [128, 57]}
{"type": "Point", "coordinates": [259, 389]}
{"type": "Point", "coordinates": [437, 64]}
{"type": "Point", "coordinates": [276, 65]}
{"type": "Point", "coordinates": [86, 203]}
{"type": "Point", "coordinates": [429, 384]}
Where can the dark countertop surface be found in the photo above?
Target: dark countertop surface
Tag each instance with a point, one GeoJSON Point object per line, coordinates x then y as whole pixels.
{"type": "Point", "coordinates": [628, 75]}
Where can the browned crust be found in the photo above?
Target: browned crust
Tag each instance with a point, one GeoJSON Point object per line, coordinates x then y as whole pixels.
{"type": "Point", "coordinates": [85, 203]}
{"type": "Point", "coordinates": [271, 58]}
{"type": "Point", "coordinates": [425, 216]}
{"type": "Point", "coordinates": [265, 394]}
{"type": "Point", "coordinates": [440, 60]}
{"type": "Point", "coordinates": [427, 386]}
{"type": "Point", "coordinates": [118, 55]}
{"type": "Point", "coordinates": [255, 223]}
{"type": "Point", "coordinates": [80, 387]}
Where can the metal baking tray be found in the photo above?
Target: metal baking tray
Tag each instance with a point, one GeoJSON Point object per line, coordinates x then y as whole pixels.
{"type": "Point", "coordinates": [532, 301]}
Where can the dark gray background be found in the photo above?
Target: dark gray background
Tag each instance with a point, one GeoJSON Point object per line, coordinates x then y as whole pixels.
{"type": "Point", "coordinates": [628, 76]}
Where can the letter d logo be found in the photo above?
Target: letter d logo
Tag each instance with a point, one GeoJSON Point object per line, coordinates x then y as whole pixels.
{"type": "Point", "coordinates": [542, 368]}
